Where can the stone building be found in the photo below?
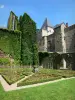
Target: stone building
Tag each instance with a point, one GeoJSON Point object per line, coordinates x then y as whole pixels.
{"type": "Point", "coordinates": [12, 21]}
{"type": "Point", "coordinates": [60, 39]}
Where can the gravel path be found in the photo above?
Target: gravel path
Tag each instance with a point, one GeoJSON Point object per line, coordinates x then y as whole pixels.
{"type": "Point", "coordinates": [8, 87]}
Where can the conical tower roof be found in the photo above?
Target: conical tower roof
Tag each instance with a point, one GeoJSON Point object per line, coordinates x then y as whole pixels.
{"type": "Point", "coordinates": [46, 24]}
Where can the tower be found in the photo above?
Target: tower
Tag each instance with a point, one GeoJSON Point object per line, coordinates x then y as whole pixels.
{"type": "Point", "coordinates": [45, 31]}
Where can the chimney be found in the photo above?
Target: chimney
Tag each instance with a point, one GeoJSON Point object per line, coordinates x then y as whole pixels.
{"type": "Point", "coordinates": [66, 25]}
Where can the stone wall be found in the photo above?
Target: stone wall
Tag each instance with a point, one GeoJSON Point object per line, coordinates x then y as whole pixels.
{"type": "Point", "coordinates": [51, 43]}
{"type": "Point", "coordinates": [60, 43]}
{"type": "Point", "coordinates": [41, 45]}
{"type": "Point", "coordinates": [70, 39]}
{"type": "Point", "coordinates": [12, 21]}
{"type": "Point", "coordinates": [58, 40]}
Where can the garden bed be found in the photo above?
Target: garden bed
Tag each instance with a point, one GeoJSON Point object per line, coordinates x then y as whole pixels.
{"type": "Point", "coordinates": [45, 75]}
{"type": "Point", "coordinates": [12, 75]}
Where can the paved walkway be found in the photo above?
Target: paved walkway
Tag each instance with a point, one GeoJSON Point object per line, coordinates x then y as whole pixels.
{"type": "Point", "coordinates": [8, 87]}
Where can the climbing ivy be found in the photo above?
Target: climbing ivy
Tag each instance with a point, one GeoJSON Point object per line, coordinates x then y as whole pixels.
{"type": "Point", "coordinates": [10, 21]}
{"type": "Point", "coordinates": [10, 43]}
{"type": "Point", "coordinates": [54, 58]}
{"type": "Point", "coordinates": [29, 44]}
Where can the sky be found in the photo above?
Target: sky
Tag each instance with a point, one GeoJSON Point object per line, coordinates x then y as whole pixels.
{"type": "Point", "coordinates": [57, 11]}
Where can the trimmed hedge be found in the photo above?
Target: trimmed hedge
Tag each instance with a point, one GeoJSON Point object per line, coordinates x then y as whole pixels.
{"type": "Point", "coordinates": [7, 80]}
{"type": "Point", "coordinates": [38, 81]}
{"type": "Point", "coordinates": [14, 74]}
{"type": "Point", "coordinates": [11, 81]}
{"type": "Point", "coordinates": [45, 75]}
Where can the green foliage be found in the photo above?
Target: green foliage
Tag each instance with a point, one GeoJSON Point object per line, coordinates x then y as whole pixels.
{"type": "Point", "coordinates": [15, 45]}
{"type": "Point", "coordinates": [12, 18]}
{"type": "Point", "coordinates": [63, 90]}
{"type": "Point", "coordinates": [30, 82]}
{"type": "Point", "coordinates": [20, 23]}
{"type": "Point", "coordinates": [29, 50]}
{"type": "Point", "coordinates": [45, 75]}
{"type": "Point", "coordinates": [12, 75]}
{"type": "Point", "coordinates": [54, 58]}
{"type": "Point", "coordinates": [4, 61]}
{"type": "Point", "coordinates": [26, 54]}
{"type": "Point", "coordinates": [20, 46]}
{"type": "Point", "coordinates": [35, 55]}
{"type": "Point", "coordinates": [10, 43]}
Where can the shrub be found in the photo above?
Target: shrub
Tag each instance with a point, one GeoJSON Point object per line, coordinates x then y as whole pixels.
{"type": "Point", "coordinates": [37, 81]}
{"type": "Point", "coordinates": [4, 61]}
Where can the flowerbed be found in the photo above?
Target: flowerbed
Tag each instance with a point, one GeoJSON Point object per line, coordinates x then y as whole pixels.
{"type": "Point", "coordinates": [12, 75]}
{"type": "Point", "coordinates": [47, 75]}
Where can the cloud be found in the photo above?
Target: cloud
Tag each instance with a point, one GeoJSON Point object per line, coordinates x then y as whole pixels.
{"type": "Point", "coordinates": [1, 6]}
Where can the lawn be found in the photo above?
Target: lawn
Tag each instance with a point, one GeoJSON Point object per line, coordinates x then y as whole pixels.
{"type": "Point", "coordinates": [64, 90]}
{"type": "Point", "coordinates": [12, 75]}
{"type": "Point", "coordinates": [47, 75]}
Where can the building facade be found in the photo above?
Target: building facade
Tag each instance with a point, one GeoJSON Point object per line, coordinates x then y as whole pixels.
{"type": "Point", "coordinates": [60, 39]}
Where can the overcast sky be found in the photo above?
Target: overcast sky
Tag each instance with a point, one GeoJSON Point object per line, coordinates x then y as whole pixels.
{"type": "Point", "coordinates": [57, 11]}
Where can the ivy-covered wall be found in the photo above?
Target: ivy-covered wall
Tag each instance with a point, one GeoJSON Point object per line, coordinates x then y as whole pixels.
{"type": "Point", "coordinates": [12, 21]}
{"type": "Point", "coordinates": [54, 60]}
{"type": "Point", "coordinates": [10, 43]}
{"type": "Point", "coordinates": [29, 49]}
{"type": "Point", "coordinates": [49, 60]}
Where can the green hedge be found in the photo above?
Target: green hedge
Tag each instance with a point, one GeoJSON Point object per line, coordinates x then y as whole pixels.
{"type": "Point", "coordinates": [7, 80]}
{"type": "Point", "coordinates": [38, 81]}
{"type": "Point", "coordinates": [14, 74]}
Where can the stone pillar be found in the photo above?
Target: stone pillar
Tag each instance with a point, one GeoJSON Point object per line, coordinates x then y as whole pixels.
{"type": "Point", "coordinates": [63, 38]}
{"type": "Point", "coordinates": [63, 43]}
{"type": "Point", "coordinates": [45, 43]}
{"type": "Point", "coordinates": [64, 63]}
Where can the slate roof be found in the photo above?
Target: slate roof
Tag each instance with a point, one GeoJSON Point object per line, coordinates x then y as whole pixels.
{"type": "Point", "coordinates": [46, 24]}
{"type": "Point", "coordinates": [58, 25]}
